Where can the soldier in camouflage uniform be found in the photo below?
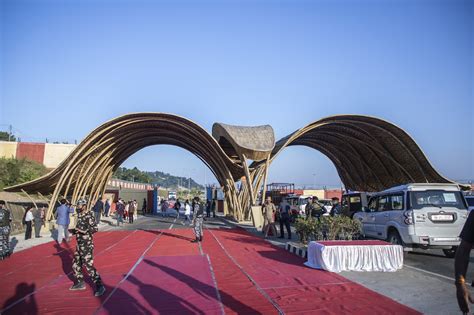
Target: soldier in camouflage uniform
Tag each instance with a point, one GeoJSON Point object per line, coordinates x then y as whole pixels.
{"type": "Point", "coordinates": [5, 219]}
{"type": "Point", "coordinates": [83, 257]}
{"type": "Point", "coordinates": [197, 220]}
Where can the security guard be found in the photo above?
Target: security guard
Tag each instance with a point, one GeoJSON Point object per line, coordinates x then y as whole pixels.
{"type": "Point", "coordinates": [85, 227]}
{"type": "Point", "coordinates": [314, 209]}
{"type": "Point", "coordinates": [197, 220]}
{"type": "Point", "coordinates": [5, 229]}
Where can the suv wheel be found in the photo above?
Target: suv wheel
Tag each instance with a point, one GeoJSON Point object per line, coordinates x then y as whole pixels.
{"type": "Point", "coordinates": [394, 238]}
{"type": "Point", "coordinates": [450, 253]}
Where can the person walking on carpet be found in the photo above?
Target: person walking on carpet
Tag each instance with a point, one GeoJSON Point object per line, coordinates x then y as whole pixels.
{"type": "Point", "coordinates": [187, 212]}
{"type": "Point", "coordinates": [62, 219]}
{"type": "Point", "coordinates": [197, 220]}
{"type": "Point", "coordinates": [83, 257]}
{"type": "Point", "coordinates": [268, 209]}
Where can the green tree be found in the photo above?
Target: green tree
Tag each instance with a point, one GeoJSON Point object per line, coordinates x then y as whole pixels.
{"type": "Point", "coordinates": [6, 136]}
{"type": "Point", "coordinates": [14, 172]}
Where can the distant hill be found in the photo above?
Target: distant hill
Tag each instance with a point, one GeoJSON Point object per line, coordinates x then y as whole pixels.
{"type": "Point", "coordinates": [162, 179]}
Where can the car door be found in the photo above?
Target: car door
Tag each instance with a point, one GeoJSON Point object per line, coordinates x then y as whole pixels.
{"type": "Point", "coordinates": [381, 216]}
{"type": "Point", "coordinates": [369, 223]}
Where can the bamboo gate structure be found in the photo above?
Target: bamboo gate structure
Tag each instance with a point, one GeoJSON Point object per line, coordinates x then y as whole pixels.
{"type": "Point", "coordinates": [370, 154]}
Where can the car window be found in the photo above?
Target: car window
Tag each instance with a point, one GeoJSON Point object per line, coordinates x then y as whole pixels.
{"type": "Point", "coordinates": [383, 203]}
{"type": "Point", "coordinates": [373, 204]}
{"type": "Point", "coordinates": [397, 202]}
{"type": "Point", "coordinates": [436, 198]}
{"type": "Point", "coordinates": [470, 201]}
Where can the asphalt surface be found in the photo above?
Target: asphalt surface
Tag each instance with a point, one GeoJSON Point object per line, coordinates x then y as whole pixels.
{"type": "Point", "coordinates": [436, 262]}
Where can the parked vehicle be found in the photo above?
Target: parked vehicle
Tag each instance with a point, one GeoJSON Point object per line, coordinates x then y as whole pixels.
{"type": "Point", "coordinates": [470, 202]}
{"type": "Point", "coordinates": [327, 205]}
{"type": "Point", "coordinates": [417, 215]}
{"type": "Point", "coordinates": [354, 202]}
{"type": "Point", "coordinates": [297, 205]}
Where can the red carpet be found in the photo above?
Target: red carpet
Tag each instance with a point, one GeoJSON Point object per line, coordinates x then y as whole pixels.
{"type": "Point", "coordinates": [179, 285]}
{"type": "Point", "coordinates": [166, 274]}
{"type": "Point", "coordinates": [297, 289]}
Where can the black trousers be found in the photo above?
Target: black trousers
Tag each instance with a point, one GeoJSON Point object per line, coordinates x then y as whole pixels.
{"type": "Point", "coordinates": [284, 220]}
{"type": "Point", "coordinates": [130, 217]}
{"type": "Point", "coordinates": [28, 230]}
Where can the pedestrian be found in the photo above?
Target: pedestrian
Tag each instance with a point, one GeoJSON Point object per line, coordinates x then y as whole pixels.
{"type": "Point", "coordinates": [131, 211]}
{"type": "Point", "coordinates": [208, 209]}
{"type": "Point", "coordinates": [127, 208]}
{"type": "Point", "coordinates": [5, 229]}
{"type": "Point", "coordinates": [28, 220]}
{"type": "Point", "coordinates": [84, 255]}
{"type": "Point", "coordinates": [164, 207]}
{"type": "Point", "coordinates": [197, 220]}
{"type": "Point", "coordinates": [314, 209]}
{"type": "Point", "coordinates": [62, 219]}
{"type": "Point", "coordinates": [135, 203]}
{"type": "Point", "coordinates": [106, 207]}
{"type": "Point", "coordinates": [187, 212]}
{"type": "Point", "coordinates": [285, 219]}
{"type": "Point", "coordinates": [213, 207]}
{"type": "Point", "coordinates": [461, 262]}
{"type": "Point", "coordinates": [144, 209]}
{"type": "Point", "coordinates": [37, 221]}
{"type": "Point", "coordinates": [177, 206]}
{"type": "Point", "coordinates": [120, 210]}
{"type": "Point", "coordinates": [98, 209]}
{"type": "Point", "coordinates": [336, 209]}
{"type": "Point", "coordinates": [268, 210]}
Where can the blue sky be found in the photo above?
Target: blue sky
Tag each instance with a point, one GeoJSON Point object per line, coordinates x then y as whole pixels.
{"type": "Point", "coordinates": [68, 66]}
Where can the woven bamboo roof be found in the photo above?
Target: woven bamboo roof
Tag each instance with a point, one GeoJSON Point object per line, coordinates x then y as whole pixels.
{"type": "Point", "coordinates": [109, 145]}
{"type": "Point", "coordinates": [255, 143]}
{"type": "Point", "coordinates": [370, 154]}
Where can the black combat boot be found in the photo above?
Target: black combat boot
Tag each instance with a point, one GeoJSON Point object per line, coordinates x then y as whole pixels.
{"type": "Point", "coordinates": [78, 286]}
{"type": "Point", "coordinates": [100, 290]}
{"type": "Point", "coordinates": [195, 241]}
{"type": "Point", "coordinates": [200, 238]}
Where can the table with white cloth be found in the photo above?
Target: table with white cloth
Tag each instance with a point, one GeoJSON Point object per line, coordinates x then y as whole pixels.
{"type": "Point", "coordinates": [337, 256]}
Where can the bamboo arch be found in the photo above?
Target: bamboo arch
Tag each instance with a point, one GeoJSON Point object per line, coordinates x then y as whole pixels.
{"type": "Point", "coordinates": [370, 154]}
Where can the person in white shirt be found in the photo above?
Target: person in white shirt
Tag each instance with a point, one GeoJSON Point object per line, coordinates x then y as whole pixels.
{"type": "Point", "coordinates": [28, 219]}
{"type": "Point", "coordinates": [187, 212]}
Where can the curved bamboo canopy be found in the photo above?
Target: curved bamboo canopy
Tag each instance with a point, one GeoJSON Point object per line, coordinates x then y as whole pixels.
{"type": "Point", "coordinates": [88, 168]}
{"type": "Point", "coordinates": [370, 154]}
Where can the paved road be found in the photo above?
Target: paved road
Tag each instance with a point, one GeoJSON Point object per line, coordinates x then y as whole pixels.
{"type": "Point", "coordinates": [434, 261]}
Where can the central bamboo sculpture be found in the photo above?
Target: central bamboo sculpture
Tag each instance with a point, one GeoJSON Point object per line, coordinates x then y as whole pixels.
{"type": "Point", "coordinates": [369, 154]}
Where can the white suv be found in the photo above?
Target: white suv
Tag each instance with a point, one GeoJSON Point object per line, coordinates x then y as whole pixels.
{"type": "Point", "coordinates": [417, 215]}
